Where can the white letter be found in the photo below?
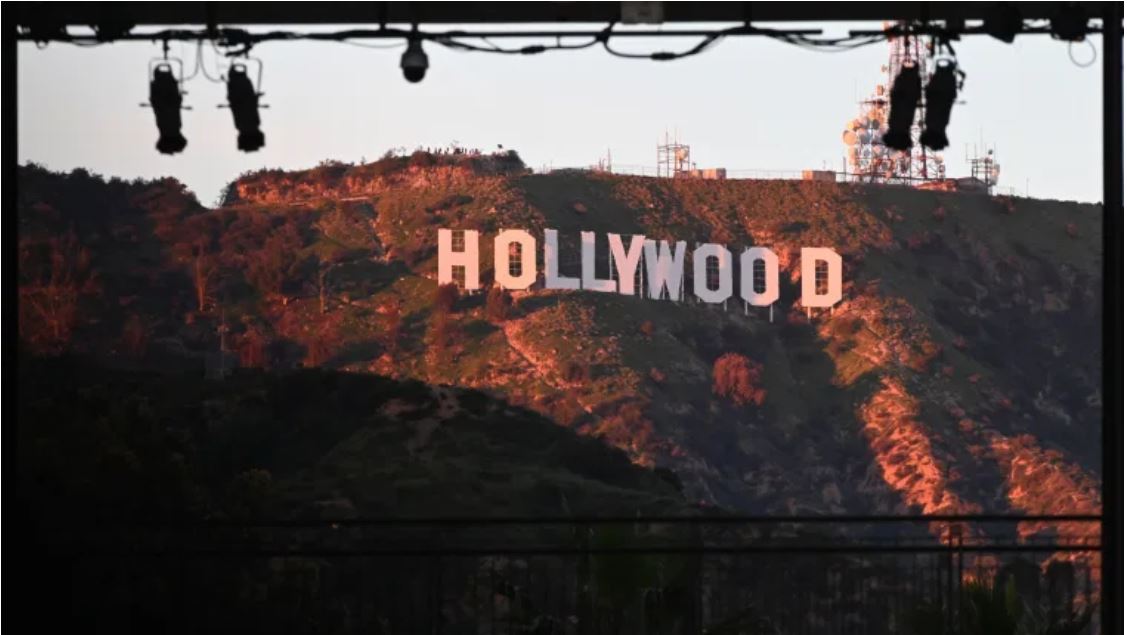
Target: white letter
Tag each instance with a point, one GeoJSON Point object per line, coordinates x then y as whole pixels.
{"type": "Point", "coordinates": [660, 268]}
{"type": "Point", "coordinates": [501, 273]}
{"type": "Point", "coordinates": [626, 263]}
{"type": "Point", "coordinates": [810, 296]}
{"type": "Point", "coordinates": [448, 258]}
{"type": "Point", "coordinates": [770, 276]}
{"type": "Point", "coordinates": [723, 290]}
{"type": "Point", "coordinates": [552, 277]}
{"type": "Point", "coordinates": [589, 279]}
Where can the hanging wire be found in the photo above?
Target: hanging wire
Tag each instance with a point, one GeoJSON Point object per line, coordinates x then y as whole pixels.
{"type": "Point", "coordinates": [237, 42]}
{"type": "Point", "coordinates": [449, 41]}
{"type": "Point", "coordinates": [201, 68]}
{"type": "Point", "coordinates": [701, 46]}
{"type": "Point", "coordinates": [395, 45]}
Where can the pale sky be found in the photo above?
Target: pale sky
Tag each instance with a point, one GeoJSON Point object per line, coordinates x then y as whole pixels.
{"type": "Point", "coordinates": [744, 104]}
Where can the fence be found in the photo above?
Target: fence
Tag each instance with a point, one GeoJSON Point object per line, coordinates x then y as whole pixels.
{"type": "Point", "coordinates": [863, 575]}
{"type": "Point", "coordinates": [652, 171]}
{"type": "Point", "coordinates": [754, 174]}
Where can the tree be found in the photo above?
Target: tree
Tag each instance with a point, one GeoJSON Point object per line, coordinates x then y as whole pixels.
{"type": "Point", "coordinates": [737, 377]}
{"type": "Point", "coordinates": [269, 267]}
{"type": "Point", "coordinates": [323, 343]}
{"type": "Point", "coordinates": [252, 347]}
{"type": "Point", "coordinates": [392, 326]}
{"type": "Point", "coordinates": [204, 268]}
{"type": "Point", "coordinates": [497, 304]}
{"type": "Point", "coordinates": [438, 331]}
{"type": "Point", "coordinates": [54, 277]}
{"type": "Point", "coordinates": [325, 266]}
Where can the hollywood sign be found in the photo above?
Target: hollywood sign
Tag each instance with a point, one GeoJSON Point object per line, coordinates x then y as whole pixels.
{"type": "Point", "coordinates": [643, 266]}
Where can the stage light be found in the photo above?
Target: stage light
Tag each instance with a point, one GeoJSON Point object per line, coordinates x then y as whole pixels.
{"type": "Point", "coordinates": [1069, 24]}
{"type": "Point", "coordinates": [243, 100]}
{"type": "Point", "coordinates": [1003, 22]}
{"type": "Point", "coordinates": [414, 62]}
{"type": "Point", "coordinates": [941, 92]}
{"type": "Point", "coordinates": [902, 108]}
{"type": "Point", "coordinates": [166, 100]}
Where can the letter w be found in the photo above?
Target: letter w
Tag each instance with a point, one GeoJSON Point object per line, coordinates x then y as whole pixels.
{"type": "Point", "coordinates": [664, 270]}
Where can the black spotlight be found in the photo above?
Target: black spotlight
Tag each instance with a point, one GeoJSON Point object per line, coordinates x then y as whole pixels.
{"type": "Point", "coordinates": [165, 98]}
{"type": "Point", "coordinates": [902, 108]}
{"type": "Point", "coordinates": [112, 22]}
{"type": "Point", "coordinates": [1003, 22]}
{"type": "Point", "coordinates": [941, 92]}
{"type": "Point", "coordinates": [1069, 24]}
{"type": "Point", "coordinates": [243, 99]}
{"type": "Point", "coordinates": [414, 61]}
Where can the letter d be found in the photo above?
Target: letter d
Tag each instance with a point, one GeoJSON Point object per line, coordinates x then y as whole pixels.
{"type": "Point", "coordinates": [810, 296]}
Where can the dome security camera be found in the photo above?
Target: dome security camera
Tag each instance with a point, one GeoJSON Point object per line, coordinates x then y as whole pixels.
{"type": "Point", "coordinates": [414, 61]}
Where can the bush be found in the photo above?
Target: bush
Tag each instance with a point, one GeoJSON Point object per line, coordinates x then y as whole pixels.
{"type": "Point", "coordinates": [628, 429]}
{"type": "Point", "coordinates": [647, 328]}
{"type": "Point", "coordinates": [576, 373]}
{"type": "Point", "coordinates": [736, 377]}
{"type": "Point", "coordinates": [392, 326]}
{"type": "Point", "coordinates": [421, 159]}
{"type": "Point", "coordinates": [445, 297]}
{"type": "Point", "coordinates": [440, 333]}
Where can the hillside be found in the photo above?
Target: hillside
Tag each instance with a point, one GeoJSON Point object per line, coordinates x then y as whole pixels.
{"type": "Point", "coordinates": [116, 445]}
{"type": "Point", "coordinates": [960, 373]}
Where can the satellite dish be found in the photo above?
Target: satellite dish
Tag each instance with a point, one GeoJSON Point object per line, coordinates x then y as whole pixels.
{"type": "Point", "coordinates": [849, 137]}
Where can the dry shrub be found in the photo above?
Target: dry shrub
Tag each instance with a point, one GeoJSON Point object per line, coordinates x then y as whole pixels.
{"type": "Point", "coordinates": [736, 377]}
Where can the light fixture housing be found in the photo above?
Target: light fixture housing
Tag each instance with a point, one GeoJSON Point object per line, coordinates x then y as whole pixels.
{"type": "Point", "coordinates": [903, 101]}
{"type": "Point", "coordinates": [942, 89]}
{"type": "Point", "coordinates": [1003, 22]}
{"type": "Point", "coordinates": [242, 97]}
{"type": "Point", "coordinates": [414, 61]}
{"type": "Point", "coordinates": [166, 101]}
{"type": "Point", "coordinates": [1069, 24]}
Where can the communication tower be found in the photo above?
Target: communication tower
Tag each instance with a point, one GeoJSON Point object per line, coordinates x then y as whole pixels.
{"type": "Point", "coordinates": [604, 164]}
{"type": "Point", "coordinates": [867, 158]}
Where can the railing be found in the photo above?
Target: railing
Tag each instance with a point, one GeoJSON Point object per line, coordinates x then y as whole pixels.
{"type": "Point", "coordinates": [864, 575]}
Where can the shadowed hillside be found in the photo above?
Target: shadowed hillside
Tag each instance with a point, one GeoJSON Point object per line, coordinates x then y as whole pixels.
{"type": "Point", "coordinates": [120, 445]}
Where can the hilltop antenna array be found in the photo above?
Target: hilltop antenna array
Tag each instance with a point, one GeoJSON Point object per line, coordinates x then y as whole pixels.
{"type": "Point", "coordinates": [673, 159]}
{"type": "Point", "coordinates": [984, 168]}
